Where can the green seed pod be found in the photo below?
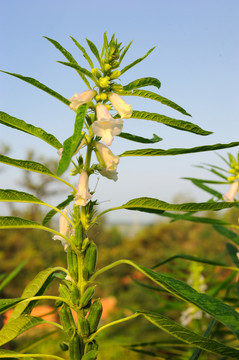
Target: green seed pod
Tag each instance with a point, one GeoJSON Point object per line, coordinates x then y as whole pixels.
{"type": "Point", "coordinates": [84, 325]}
{"type": "Point", "coordinates": [85, 274]}
{"type": "Point", "coordinates": [91, 258]}
{"type": "Point", "coordinates": [79, 236]}
{"type": "Point", "coordinates": [95, 315]}
{"type": "Point", "coordinates": [64, 292]}
{"type": "Point", "coordinates": [87, 296]}
{"type": "Point", "coordinates": [91, 355]}
{"type": "Point", "coordinates": [75, 347]}
{"type": "Point", "coordinates": [72, 264]}
{"type": "Point", "coordinates": [67, 320]}
{"type": "Point", "coordinates": [75, 295]}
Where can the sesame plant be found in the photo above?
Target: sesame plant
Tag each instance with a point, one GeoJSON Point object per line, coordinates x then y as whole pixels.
{"type": "Point", "coordinates": [99, 114]}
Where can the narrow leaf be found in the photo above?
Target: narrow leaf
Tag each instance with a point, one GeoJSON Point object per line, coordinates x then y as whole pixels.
{"type": "Point", "coordinates": [12, 222]}
{"type": "Point", "coordinates": [61, 206]}
{"type": "Point", "coordinates": [140, 139]}
{"type": "Point", "coordinates": [35, 288]}
{"type": "Point", "coordinates": [8, 354]}
{"type": "Point", "coordinates": [12, 274]}
{"type": "Point", "coordinates": [41, 86]}
{"type": "Point", "coordinates": [156, 206]}
{"type": "Point", "coordinates": [177, 124]}
{"type": "Point", "coordinates": [227, 233]}
{"type": "Point", "coordinates": [146, 81]}
{"type": "Point", "coordinates": [177, 151]}
{"type": "Point", "coordinates": [94, 50]}
{"type": "Point", "coordinates": [198, 219]}
{"type": "Point", "coordinates": [197, 352]}
{"type": "Point", "coordinates": [189, 336]}
{"type": "Point", "coordinates": [136, 61]}
{"type": "Point", "coordinates": [233, 252]}
{"type": "Point", "coordinates": [15, 327]}
{"type": "Point", "coordinates": [71, 144]}
{"type": "Point", "coordinates": [124, 52]}
{"type": "Point", "coordinates": [86, 56]}
{"type": "Point", "coordinates": [26, 165]}
{"type": "Point", "coordinates": [6, 304]}
{"type": "Point", "coordinates": [18, 196]}
{"type": "Point", "coordinates": [208, 189]}
{"type": "Point", "coordinates": [153, 96]}
{"type": "Point", "coordinates": [80, 69]}
{"type": "Point", "coordinates": [21, 125]}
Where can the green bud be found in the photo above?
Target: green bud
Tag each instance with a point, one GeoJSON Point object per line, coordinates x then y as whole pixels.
{"type": "Point", "coordinates": [87, 296]}
{"type": "Point", "coordinates": [115, 74]}
{"type": "Point", "coordinates": [91, 258]}
{"type": "Point", "coordinates": [97, 98]}
{"type": "Point", "coordinates": [95, 315]}
{"type": "Point", "coordinates": [84, 325]}
{"type": "Point", "coordinates": [103, 96]}
{"type": "Point", "coordinates": [116, 88]}
{"type": "Point", "coordinates": [96, 72]}
{"type": "Point", "coordinates": [104, 81]}
{"type": "Point", "coordinates": [107, 67]}
{"type": "Point", "coordinates": [72, 263]}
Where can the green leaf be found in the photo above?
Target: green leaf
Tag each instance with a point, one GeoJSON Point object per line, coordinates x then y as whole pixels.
{"type": "Point", "coordinates": [68, 56]}
{"type": "Point", "coordinates": [15, 327]}
{"type": "Point", "coordinates": [21, 125]}
{"type": "Point", "coordinates": [18, 196]}
{"type": "Point", "coordinates": [197, 352]}
{"type": "Point", "coordinates": [86, 56]}
{"type": "Point", "coordinates": [105, 44]}
{"type": "Point", "coordinates": [146, 81]}
{"type": "Point", "coordinates": [35, 288]}
{"type": "Point", "coordinates": [26, 165]}
{"type": "Point", "coordinates": [227, 233]}
{"type": "Point", "coordinates": [198, 219]}
{"type": "Point", "coordinates": [8, 354]}
{"type": "Point", "coordinates": [191, 258]}
{"type": "Point", "coordinates": [177, 124]}
{"type": "Point", "coordinates": [12, 222]}
{"type": "Point", "coordinates": [153, 96]}
{"type": "Point", "coordinates": [80, 69]}
{"type": "Point", "coordinates": [61, 206]}
{"type": "Point", "coordinates": [94, 50]}
{"type": "Point", "coordinates": [156, 206]}
{"type": "Point", "coordinates": [206, 181]}
{"type": "Point", "coordinates": [136, 61]}
{"type": "Point", "coordinates": [206, 188]}
{"type": "Point", "coordinates": [71, 144]}
{"type": "Point", "coordinates": [177, 151]}
{"type": "Point", "coordinates": [12, 274]}
{"type": "Point", "coordinates": [124, 52]}
{"type": "Point", "coordinates": [233, 252]}
{"type": "Point", "coordinates": [6, 304]}
{"type": "Point", "coordinates": [39, 85]}
{"type": "Point", "coordinates": [140, 139]}
{"type": "Point", "coordinates": [189, 336]}
{"type": "Point", "coordinates": [215, 307]}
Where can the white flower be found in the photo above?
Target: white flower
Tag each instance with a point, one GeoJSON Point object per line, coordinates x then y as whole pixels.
{"type": "Point", "coordinates": [82, 98]}
{"type": "Point", "coordinates": [82, 195]}
{"type": "Point", "coordinates": [59, 152]}
{"type": "Point", "coordinates": [112, 175]}
{"type": "Point", "coordinates": [109, 160]}
{"type": "Point", "coordinates": [120, 105]}
{"type": "Point", "coordinates": [190, 314]}
{"type": "Point", "coordinates": [106, 127]}
{"type": "Point", "coordinates": [230, 195]}
{"type": "Point", "coordinates": [64, 228]}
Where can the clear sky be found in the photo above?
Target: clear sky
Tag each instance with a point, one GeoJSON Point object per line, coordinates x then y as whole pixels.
{"type": "Point", "coordinates": [196, 59]}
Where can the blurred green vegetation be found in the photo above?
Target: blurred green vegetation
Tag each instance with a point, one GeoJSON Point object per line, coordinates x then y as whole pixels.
{"type": "Point", "coordinates": [152, 244]}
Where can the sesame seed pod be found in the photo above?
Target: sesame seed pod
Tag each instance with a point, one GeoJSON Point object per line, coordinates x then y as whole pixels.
{"type": "Point", "coordinates": [67, 320]}
{"type": "Point", "coordinates": [95, 315]}
{"type": "Point", "coordinates": [84, 326]}
{"type": "Point", "coordinates": [72, 263]}
{"type": "Point", "coordinates": [87, 296]}
{"type": "Point", "coordinates": [91, 258]}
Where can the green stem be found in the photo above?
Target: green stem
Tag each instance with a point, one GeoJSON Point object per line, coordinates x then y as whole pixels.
{"type": "Point", "coordinates": [65, 182]}
{"type": "Point", "coordinates": [112, 324]}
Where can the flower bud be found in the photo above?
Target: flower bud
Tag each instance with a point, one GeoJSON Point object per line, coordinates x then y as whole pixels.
{"type": "Point", "coordinates": [82, 98]}
{"type": "Point", "coordinates": [96, 72]}
{"type": "Point", "coordinates": [117, 88]}
{"type": "Point", "coordinates": [82, 195]}
{"type": "Point", "coordinates": [120, 105]}
{"type": "Point", "coordinates": [115, 74]}
{"type": "Point", "coordinates": [103, 96]}
{"type": "Point", "coordinates": [230, 195]}
{"type": "Point", "coordinates": [104, 81]}
{"type": "Point", "coordinates": [107, 67]}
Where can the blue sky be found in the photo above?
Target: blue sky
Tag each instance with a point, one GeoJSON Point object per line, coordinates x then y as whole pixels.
{"type": "Point", "coordinates": [196, 59]}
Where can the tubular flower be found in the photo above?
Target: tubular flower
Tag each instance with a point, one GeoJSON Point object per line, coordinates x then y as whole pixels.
{"type": "Point", "coordinates": [82, 195]}
{"type": "Point", "coordinates": [64, 228]}
{"type": "Point", "coordinates": [230, 195]}
{"type": "Point", "coordinates": [82, 98]}
{"type": "Point", "coordinates": [109, 160]}
{"type": "Point", "coordinates": [120, 106]}
{"type": "Point", "coordinates": [105, 126]}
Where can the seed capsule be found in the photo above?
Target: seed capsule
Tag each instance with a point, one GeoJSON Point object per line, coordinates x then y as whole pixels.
{"type": "Point", "coordinates": [91, 258]}
{"type": "Point", "coordinates": [95, 315]}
